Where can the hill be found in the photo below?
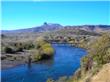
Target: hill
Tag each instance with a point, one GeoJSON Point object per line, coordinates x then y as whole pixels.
{"type": "Point", "coordinates": [48, 27]}
{"type": "Point", "coordinates": [91, 28]}
{"type": "Point", "coordinates": [43, 28]}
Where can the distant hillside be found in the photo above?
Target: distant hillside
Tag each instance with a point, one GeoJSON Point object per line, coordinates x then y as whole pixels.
{"type": "Point", "coordinates": [97, 28]}
{"type": "Point", "coordinates": [48, 27]}
{"type": "Point", "coordinates": [43, 28]}
{"type": "Point", "coordinates": [91, 28]}
{"type": "Point", "coordinates": [72, 32]}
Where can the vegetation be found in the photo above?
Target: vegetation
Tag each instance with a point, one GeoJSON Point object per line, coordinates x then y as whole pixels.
{"type": "Point", "coordinates": [16, 47]}
{"type": "Point", "coordinates": [8, 50]}
{"type": "Point", "coordinates": [39, 49]}
{"type": "Point", "coordinates": [44, 49]}
{"type": "Point", "coordinates": [47, 49]}
{"type": "Point", "coordinates": [98, 49]}
{"type": "Point", "coordinates": [98, 55]}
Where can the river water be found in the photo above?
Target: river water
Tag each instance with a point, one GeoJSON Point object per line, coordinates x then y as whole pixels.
{"type": "Point", "coordinates": [65, 62]}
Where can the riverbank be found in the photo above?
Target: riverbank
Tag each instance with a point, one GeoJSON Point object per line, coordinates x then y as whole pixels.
{"type": "Point", "coordinates": [94, 64]}
{"type": "Point", "coordinates": [13, 60]}
{"type": "Point", "coordinates": [20, 58]}
{"type": "Point", "coordinates": [64, 62]}
{"type": "Point", "coordinates": [42, 50]}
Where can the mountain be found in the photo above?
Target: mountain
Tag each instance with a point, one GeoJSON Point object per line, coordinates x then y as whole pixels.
{"type": "Point", "coordinates": [90, 28]}
{"type": "Point", "coordinates": [96, 28]}
{"type": "Point", "coordinates": [43, 28]}
{"type": "Point", "coordinates": [49, 27]}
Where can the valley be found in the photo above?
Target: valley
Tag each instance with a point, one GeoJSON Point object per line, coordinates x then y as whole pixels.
{"type": "Point", "coordinates": [40, 44]}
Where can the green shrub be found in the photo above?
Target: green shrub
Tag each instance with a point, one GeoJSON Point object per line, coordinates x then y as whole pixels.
{"type": "Point", "coordinates": [48, 51]}
{"type": "Point", "coordinates": [44, 49]}
{"type": "Point", "coordinates": [37, 57]}
{"type": "Point", "coordinates": [20, 49]}
{"type": "Point", "coordinates": [3, 57]}
{"type": "Point", "coordinates": [8, 50]}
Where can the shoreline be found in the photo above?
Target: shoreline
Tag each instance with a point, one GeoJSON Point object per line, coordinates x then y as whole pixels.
{"type": "Point", "coordinates": [12, 66]}
{"type": "Point", "coordinates": [13, 60]}
{"type": "Point", "coordinates": [8, 63]}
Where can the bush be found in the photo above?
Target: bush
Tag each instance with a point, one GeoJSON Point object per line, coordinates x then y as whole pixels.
{"type": "Point", "coordinates": [46, 45]}
{"type": "Point", "coordinates": [44, 48]}
{"type": "Point", "coordinates": [40, 41]}
{"type": "Point", "coordinates": [8, 50]}
{"type": "Point", "coordinates": [36, 56]}
{"type": "Point", "coordinates": [48, 51]}
{"type": "Point", "coordinates": [3, 57]}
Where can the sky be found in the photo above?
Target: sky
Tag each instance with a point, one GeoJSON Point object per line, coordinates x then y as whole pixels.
{"type": "Point", "coordinates": [27, 14]}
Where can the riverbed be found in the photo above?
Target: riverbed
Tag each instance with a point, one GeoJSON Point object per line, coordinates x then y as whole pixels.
{"type": "Point", "coordinates": [65, 62]}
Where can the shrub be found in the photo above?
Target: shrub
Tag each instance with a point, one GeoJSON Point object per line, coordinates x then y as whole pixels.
{"type": "Point", "coordinates": [48, 51]}
{"type": "Point", "coordinates": [3, 57]}
{"type": "Point", "coordinates": [8, 50]}
{"type": "Point", "coordinates": [46, 45]}
{"type": "Point", "coordinates": [36, 56]}
{"type": "Point", "coordinates": [44, 48]}
{"type": "Point", "coordinates": [40, 41]}
{"type": "Point", "coordinates": [20, 49]}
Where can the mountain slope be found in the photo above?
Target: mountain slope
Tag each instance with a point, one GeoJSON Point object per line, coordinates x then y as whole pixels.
{"type": "Point", "coordinates": [48, 27]}
{"type": "Point", "coordinates": [43, 28]}
{"type": "Point", "coordinates": [90, 28]}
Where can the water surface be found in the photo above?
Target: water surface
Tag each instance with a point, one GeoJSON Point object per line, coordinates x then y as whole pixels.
{"type": "Point", "coordinates": [65, 62]}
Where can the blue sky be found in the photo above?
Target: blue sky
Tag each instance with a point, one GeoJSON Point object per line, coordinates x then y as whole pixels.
{"type": "Point", "coordinates": [18, 15]}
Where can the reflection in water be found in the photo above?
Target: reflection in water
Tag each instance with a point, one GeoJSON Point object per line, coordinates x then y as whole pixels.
{"type": "Point", "coordinates": [48, 62]}
{"type": "Point", "coordinates": [29, 61]}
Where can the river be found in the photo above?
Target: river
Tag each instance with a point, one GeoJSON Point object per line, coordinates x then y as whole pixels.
{"type": "Point", "coordinates": [65, 62]}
